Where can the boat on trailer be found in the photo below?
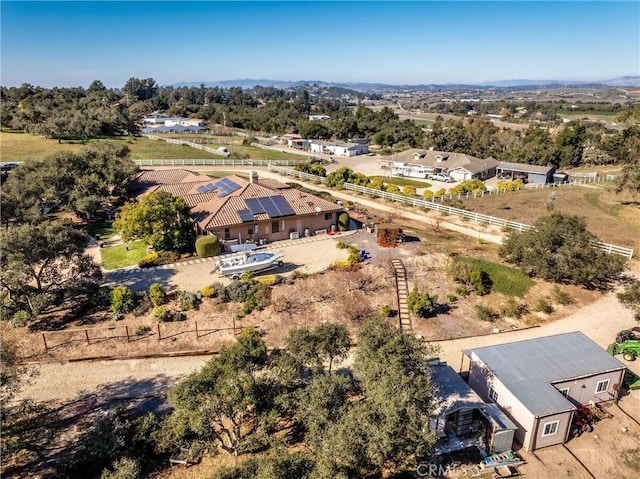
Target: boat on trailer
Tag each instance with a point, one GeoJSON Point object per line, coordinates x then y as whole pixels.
{"type": "Point", "coordinates": [249, 262]}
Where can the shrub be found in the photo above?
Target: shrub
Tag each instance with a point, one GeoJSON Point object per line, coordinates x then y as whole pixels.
{"type": "Point", "coordinates": [385, 311]}
{"type": "Point", "coordinates": [543, 306]}
{"type": "Point", "coordinates": [513, 309]}
{"type": "Point", "coordinates": [161, 314]}
{"type": "Point", "coordinates": [177, 316]}
{"type": "Point", "coordinates": [440, 192]}
{"type": "Point", "coordinates": [472, 278]}
{"type": "Point", "coordinates": [143, 304]}
{"type": "Point", "coordinates": [157, 294]}
{"type": "Point", "coordinates": [207, 246]}
{"type": "Point", "coordinates": [485, 313]}
{"type": "Point", "coordinates": [560, 296]}
{"type": "Point", "coordinates": [391, 188]}
{"type": "Point", "coordinates": [158, 259]}
{"type": "Point", "coordinates": [187, 301]}
{"type": "Point", "coordinates": [468, 186]}
{"type": "Point", "coordinates": [142, 329]}
{"type": "Point", "coordinates": [270, 279]}
{"type": "Point", "coordinates": [208, 292]}
{"type": "Point", "coordinates": [452, 298]}
{"type": "Point", "coordinates": [427, 195]}
{"type": "Point", "coordinates": [409, 190]}
{"type": "Point", "coordinates": [421, 305]}
{"type": "Point", "coordinates": [343, 221]}
{"type": "Point", "coordinates": [342, 245]}
{"type": "Point", "coordinates": [20, 319]}
{"type": "Point", "coordinates": [122, 300]}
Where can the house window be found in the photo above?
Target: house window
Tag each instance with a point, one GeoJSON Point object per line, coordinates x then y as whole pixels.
{"type": "Point", "coordinates": [493, 394]}
{"type": "Point", "coordinates": [565, 392]}
{"type": "Point", "coordinates": [227, 233]}
{"type": "Point", "coordinates": [328, 216]}
{"type": "Point", "coordinates": [603, 386]}
{"type": "Point", "coordinates": [550, 428]}
{"type": "Point", "coordinates": [277, 226]}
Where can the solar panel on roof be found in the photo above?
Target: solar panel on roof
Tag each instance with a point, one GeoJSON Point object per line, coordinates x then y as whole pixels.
{"type": "Point", "coordinates": [254, 205]}
{"type": "Point", "coordinates": [283, 205]}
{"type": "Point", "coordinates": [205, 188]}
{"type": "Point", "coordinates": [226, 187]}
{"type": "Point", "coordinates": [245, 215]}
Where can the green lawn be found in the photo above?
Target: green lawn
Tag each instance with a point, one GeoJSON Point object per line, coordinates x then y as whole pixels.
{"type": "Point", "coordinates": [421, 122]}
{"type": "Point", "coordinates": [222, 174]}
{"type": "Point", "coordinates": [115, 257]}
{"type": "Point", "coordinates": [505, 279]}
{"type": "Point", "coordinates": [103, 229]}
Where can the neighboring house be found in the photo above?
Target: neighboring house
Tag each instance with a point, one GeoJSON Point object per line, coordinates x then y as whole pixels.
{"type": "Point", "coordinates": [461, 419]}
{"type": "Point", "coordinates": [319, 117]}
{"type": "Point", "coordinates": [529, 173]}
{"type": "Point", "coordinates": [159, 119]}
{"type": "Point", "coordinates": [299, 143]}
{"type": "Point", "coordinates": [237, 210]}
{"type": "Point", "coordinates": [538, 382]}
{"type": "Point", "coordinates": [339, 148]}
{"type": "Point", "coordinates": [429, 162]}
{"type": "Point", "coordinates": [173, 129]}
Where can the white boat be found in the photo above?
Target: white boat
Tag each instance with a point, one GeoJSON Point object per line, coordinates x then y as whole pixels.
{"type": "Point", "coordinates": [249, 262]}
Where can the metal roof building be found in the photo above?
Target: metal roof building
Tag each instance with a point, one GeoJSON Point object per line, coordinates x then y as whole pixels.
{"type": "Point", "coordinates": [543, 379]}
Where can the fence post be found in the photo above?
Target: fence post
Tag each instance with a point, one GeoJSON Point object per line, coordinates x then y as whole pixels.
{"type": "Point", "coordinates": [196, 330]}
{"type": "Point", "coordinates": [159, 336]}
{"type": "Point", "coordinates": [44, 339]}
{"type": "Point", "coordinates": [234, 325]}
{"type": "Point", "coordinates": [86, 334]}
{"type": "Point", "coordinates": [126, 328]}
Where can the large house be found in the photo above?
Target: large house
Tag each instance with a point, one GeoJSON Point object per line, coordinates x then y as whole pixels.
{"type": "Point", "coordinates": [237, 210]}
{"type": "Point", "coordinates": [421, 163]}
{"type": "Point", "coordinates": [539, 382]}
{"type": "Point", "coordinates": [158, 123]}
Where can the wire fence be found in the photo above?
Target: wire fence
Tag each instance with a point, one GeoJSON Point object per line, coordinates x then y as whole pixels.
{"type": "Point", "coordinates": [214, 162]}
{"type": "Point", "coordinates": [53, 341]}
{"type": "Point", "coordinates": [439, 206]}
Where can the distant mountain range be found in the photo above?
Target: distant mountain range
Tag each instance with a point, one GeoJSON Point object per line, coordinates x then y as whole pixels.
{"type": "Point", "coordinates": [626, 81]}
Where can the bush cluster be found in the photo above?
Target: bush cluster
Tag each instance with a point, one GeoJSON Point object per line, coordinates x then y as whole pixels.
{"type": "Point", "coordinates": [188, 301]}
{"type": "Point", "coordinates": [123, 300]}
{"type": "Point", "coordinates": [420, 304]}
{"type": "Point", "coordinates": [158, 259]}
{"type": "Point", "coordinates": [485, 313]}
{"type": "Point", "coordinates": [253, 294]}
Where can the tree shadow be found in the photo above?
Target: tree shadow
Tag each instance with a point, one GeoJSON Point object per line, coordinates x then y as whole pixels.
{"type": "Point", "coordinates": [141, 280]}
{"type": "Point", "coordinates": [69, 421]}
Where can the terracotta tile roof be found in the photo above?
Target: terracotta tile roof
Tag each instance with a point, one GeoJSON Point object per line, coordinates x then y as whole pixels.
{"type": "Point", "coordinates": [272, 184]}
{"type": "Point", "coordinates": [211, 211]}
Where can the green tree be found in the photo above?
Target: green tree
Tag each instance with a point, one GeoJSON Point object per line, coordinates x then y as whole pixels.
{"type": "Point", "coordinates": [159, 219]}
{"type": "Point", "coordinates": [630, 297]}
{"type": "Point", "coordinates": [386, 427]}
{"type": "Point", "coordinates": [222, 403]}
{"type": "Point", "coordinates": [560, 248]}
{"type": "Point", "coordinates": [43, 263]}
{"type": "Point", "coordinates": [423, 305]}
{"type": "Point", "coordinates": [314, 348]}
{"type": "Point", "coordinates": [157, 294]}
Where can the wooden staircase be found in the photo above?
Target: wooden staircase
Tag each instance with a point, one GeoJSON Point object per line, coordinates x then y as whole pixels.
{"type": "Point", "coordinates": [402, 291]}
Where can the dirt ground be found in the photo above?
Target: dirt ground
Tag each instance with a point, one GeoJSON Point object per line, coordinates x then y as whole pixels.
{"type": "Point", "coordinates": [337, 296]}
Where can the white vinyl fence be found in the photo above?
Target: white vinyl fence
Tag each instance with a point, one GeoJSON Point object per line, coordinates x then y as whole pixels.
{"type": "Point", "coordinates": [439, 207]}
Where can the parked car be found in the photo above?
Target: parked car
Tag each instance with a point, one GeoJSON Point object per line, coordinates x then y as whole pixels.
{"type": "Point", "coordinates": [442, 177]}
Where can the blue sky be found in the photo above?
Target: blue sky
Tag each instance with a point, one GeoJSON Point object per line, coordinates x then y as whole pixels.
{"type": "Point", "coordinates": [73, 43]}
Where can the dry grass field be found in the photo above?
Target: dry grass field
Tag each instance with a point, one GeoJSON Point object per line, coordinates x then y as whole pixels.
{"type": "Point", "coordinates": [27, 147]}
{"type": "Point", "coordinates": [614, 218]}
